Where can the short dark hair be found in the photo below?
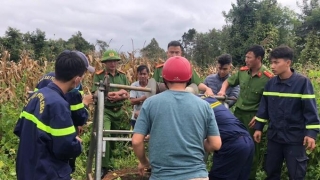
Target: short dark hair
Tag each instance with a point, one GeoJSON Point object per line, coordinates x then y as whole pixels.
{"type": "Point", "coordinates": [282, 51]}
{"type": "Point", "coordinates": [69, 65]}
{"type": "Point", "coordinates": [257, 51]}
{"type": "Point", "coordinates": [142, 67]}
{"type": "Point", "coordinates": [225, 59]}
{"type": "Point", "coordinates": [175, 43]}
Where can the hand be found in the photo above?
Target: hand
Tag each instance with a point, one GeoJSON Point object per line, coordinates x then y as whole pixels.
{"type": "Point", "coordinates": [257, 136]}
{"type": "Point", "coordinates": [221, 93]}
{"type": "Point", "coordinates": [142, 167]}
{"type": "Point", "coordinates": [252, 122]}
{"type": "Point", "coordinates": [309, 142]}
{"type": "Point", "coordinates": [113, 97]}
{"type": "Point", "coordinates": [80, 130]}
{"type": "Point", "coordinates": [79, 139]}
{"type": "Point", "coordinates": [208, 92]}
{"type": "Point", "coordinates": [87, 99]}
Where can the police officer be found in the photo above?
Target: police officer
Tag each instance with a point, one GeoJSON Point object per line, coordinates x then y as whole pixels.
{"type": "Point", "coordinates": [252, 79]}
{"type": "Point", "coordinates": [47, 136]}
{"type": "Point", "coordinates": [289, 106]}
{"type": "Point", "coordinates": [234, 159]}
{"type": "Point", "coordinates": [113, 112]}
{"type": "Point", "coordinates": [175, 49]}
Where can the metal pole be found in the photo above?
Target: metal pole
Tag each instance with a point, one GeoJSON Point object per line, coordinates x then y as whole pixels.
{"type": "Point", "coordinates": [99, 131]}
{"type": "Point", "coordinates": [92, 146]}
{"type": "Point", "coordinates": [120, 86]}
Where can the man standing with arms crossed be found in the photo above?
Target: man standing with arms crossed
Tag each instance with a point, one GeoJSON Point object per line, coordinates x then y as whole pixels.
{"type": "Point", "coordinates": [252, 78]}
{"type": "Point", "coordinates": [175, 49]}
{"type": "Point", "coordinates": [113, 112]}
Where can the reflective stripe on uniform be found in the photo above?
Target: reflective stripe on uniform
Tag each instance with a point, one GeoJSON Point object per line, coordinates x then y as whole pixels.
{"type": "Point", "coordinates": [215, 104]}
{"type": "Point", "coordinates": [81, 92]}
{"type": "Point", "coordinates": [261, 120]}
{"type": "Point", "coordinates": [76, 107]}
{"type": "Point", "coordinates": [35, 89]}
{"type": "Point", "coordinates": [47, 129]}
{"type": "Point", "coordinates": [313, 126]}
{"type": "Point", "coordinates": [303, 96]}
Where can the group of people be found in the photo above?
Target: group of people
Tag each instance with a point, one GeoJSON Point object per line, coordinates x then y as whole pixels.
{"type": "Point", "coordinates": [181, 127]}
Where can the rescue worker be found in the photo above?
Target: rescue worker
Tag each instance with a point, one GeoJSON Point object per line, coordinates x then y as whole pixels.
{"type": "Point", "coordinates": [173, 153]}
{"type": "Point", "coordinates": [252, 79]}
{"type": "Point", "coordinates": [47, 135]}
{"type": "Point", "coordinates": [113, 113]}
{"type": "Point", "coordinates": [289, 106]}
{"type": "Point", "coordinates": [138, 97]}
{"type": "Point", "coordinates": [234, 159]}
{"type": "Point", "coordinates": [175, 49]}
{"type": "Point", "coordinates": [214, 81]}
{"type": "Point", "coordinates": [78, 105]}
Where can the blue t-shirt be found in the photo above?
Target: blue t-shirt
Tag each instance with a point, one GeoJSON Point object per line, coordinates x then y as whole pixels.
{"type": "Point", "coordinates": [178, 122]}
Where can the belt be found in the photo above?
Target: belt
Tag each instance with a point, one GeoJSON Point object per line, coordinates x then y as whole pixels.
{"type": "Point", "coordinates": [113, 108]}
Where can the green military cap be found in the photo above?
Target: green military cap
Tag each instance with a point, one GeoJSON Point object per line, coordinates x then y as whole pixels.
{"type": "Point", "coordinates": [110, 55]}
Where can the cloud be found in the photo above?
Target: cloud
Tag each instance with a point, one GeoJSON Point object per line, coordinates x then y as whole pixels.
{"type": "Point", "coordinates": [119, 20]}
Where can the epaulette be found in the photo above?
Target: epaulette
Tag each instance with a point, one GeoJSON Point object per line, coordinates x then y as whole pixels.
{"type": "Point", "coordinates": [99, 72]}
{"type": "Point", "coordinates": [244, 68]}
{"type": "Point", "coordinates": [268, 74]}
{"type": "Point", "coordinates": [159, 65]}
{"type": "Point", "coordinates": [121, 72]}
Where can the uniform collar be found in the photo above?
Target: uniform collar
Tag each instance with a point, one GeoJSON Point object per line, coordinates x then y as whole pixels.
{"type": "Point", "coordinates": [260, 71]}
{"type": "Point", "coordinates": [117, 73]}
{"type": "Point", "coordinates": [287, 81]}
{"type": "Point", "coordinates": [54, 87]}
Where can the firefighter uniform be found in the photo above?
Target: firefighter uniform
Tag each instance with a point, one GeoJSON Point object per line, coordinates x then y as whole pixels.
{"type": "Point", "coordinates": [113, 113]}
{"type": "Point", "coordinates": [157, 75]}
{"type": "Point", "coordinates": [79, 111]}
{"type": "Point", "coordinates": [289, 107]}
{"type": "Point", "coordinates": [47, 136]}
{"type": "Point", "coordinates": [251, 89]}
{"type": "Point", "coordinates": [234, 159]}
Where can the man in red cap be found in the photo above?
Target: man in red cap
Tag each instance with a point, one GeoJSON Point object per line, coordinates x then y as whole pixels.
{"type": "Point", "coordinates": [173, 153]}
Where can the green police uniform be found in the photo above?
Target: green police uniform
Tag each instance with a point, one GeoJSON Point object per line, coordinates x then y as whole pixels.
{"type": "Point", "coordinates": [113, 113]}
{"type": "Point", "coordinates": [251, 89]}
{"type": "Point", "coordinates": [157, 75]}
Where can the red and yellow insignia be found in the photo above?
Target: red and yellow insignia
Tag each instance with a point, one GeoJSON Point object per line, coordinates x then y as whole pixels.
{"type": "Point", "coordinates": [111, 54]}
{"type": "Point", "coordinates": [244, 68]}
{"type": "Point", "coordinates": [268, 74]}
{"type": "Point", "coordinates": [259, 74]}
{"type": "Point", "coordinates": [99, 72]}
{"type": "Point", "coordinates": [159, 66]}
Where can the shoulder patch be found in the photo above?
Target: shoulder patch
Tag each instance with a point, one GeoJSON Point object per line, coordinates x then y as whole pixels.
{"type": "Point", "coordinates": [159, 65]}
{"type": "Point", "coordinates": [268, 74]}
{"type": "Point", "coordinates": [121, 72]}
{"type": "Point", "coordinates": [244, 68]}
{"type": "Point", "coordinates": [99, 72]}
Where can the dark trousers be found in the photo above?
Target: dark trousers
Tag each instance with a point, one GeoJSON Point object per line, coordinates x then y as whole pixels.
{"type": "Point", "coordinates": [294, 155]}
{"type": "Point", "coordinates": [234, 160]}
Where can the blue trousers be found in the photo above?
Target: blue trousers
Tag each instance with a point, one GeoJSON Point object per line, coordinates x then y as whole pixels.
{"type": "Point", "coordinates": [294, 155]}
{"type": "Point", "coordinates": [234, 160]}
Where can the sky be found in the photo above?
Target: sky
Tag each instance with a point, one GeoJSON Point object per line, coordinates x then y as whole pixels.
{"type": "Point", "coordinates": [119, 22]}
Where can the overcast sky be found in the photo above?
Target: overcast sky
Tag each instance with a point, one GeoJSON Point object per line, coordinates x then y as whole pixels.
{"type": "Point", "coordinates": [119, 20]}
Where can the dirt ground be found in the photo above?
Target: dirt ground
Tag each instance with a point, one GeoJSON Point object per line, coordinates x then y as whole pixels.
{"type": "Point", "coordinates": [126, 174]}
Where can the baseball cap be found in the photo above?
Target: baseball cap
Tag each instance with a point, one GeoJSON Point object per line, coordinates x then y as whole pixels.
{"type": "Point", "coordinates": [86, 61]}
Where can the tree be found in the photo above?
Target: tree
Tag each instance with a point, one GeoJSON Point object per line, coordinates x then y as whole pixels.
{"type": "Point", "coordinates": [187, 43]}
{"type": "Point", "coordinates": [13, 42]}
{"type": "Point", "coordinates": [38, 40]}
{"type": "Point", "coordinates": [153, 51]}
{"type": "Point", "coordinates": [77, 42]}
